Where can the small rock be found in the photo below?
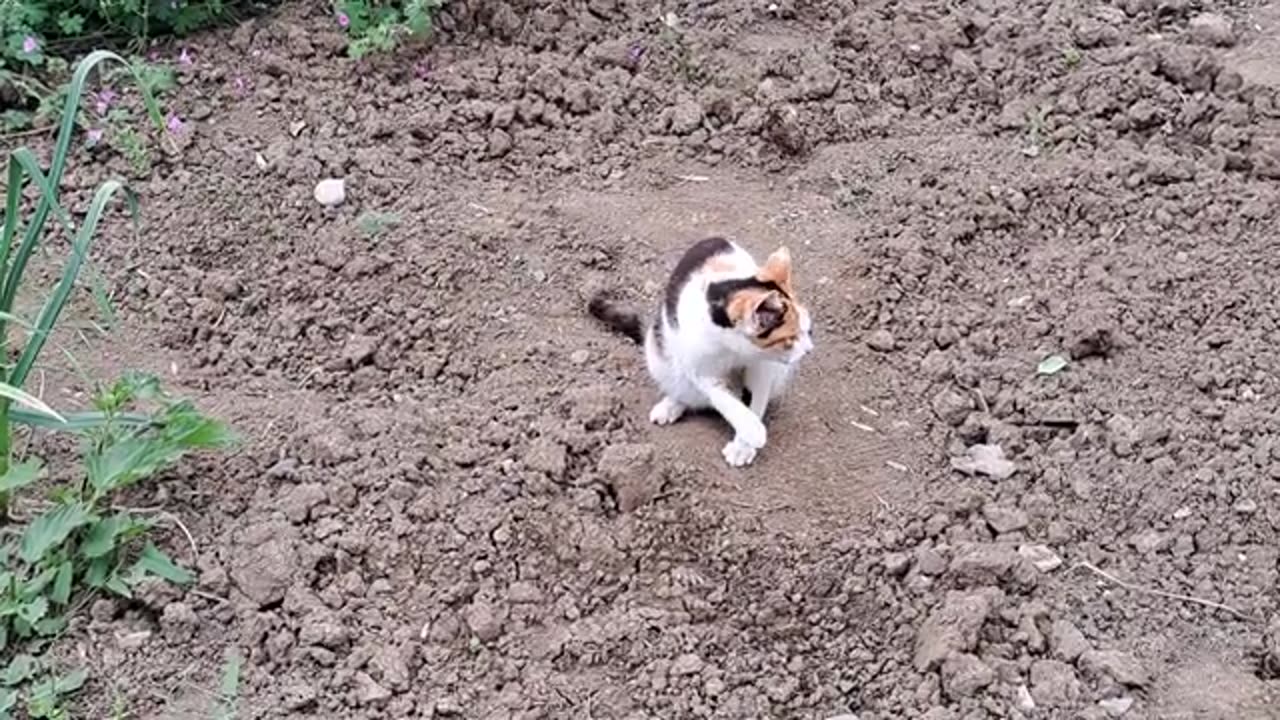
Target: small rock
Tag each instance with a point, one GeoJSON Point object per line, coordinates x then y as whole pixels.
{"type": "Point", "coordinates": [331, 192]}
{"type": "Point", "coordinates": [952, 408]}
{"type": "Point", "coordinates": [1121, 666]}
{"type": "Point", "coordinates": [484, 620]}
{"type": "Point", "coordinates": [686, 664]}
{"type": "Point", "coordinates": [299, 697]}
{"type": "Point", "coordinates": [133, 640]}
{"type": "Point", "coordinates": [448, 706]}
{"type": "Point", "coordinates": [369, 692]}
{"type": "Point", "coordinates": [896, 564]}
{"type": "Point", "coordinates": [992, 564]}
{"type": "Point", "coordinates": [580, 357]}
{"type": "Point", "coordinates": [629, 469]}
{"type": "Point", "coordinates": [881, 340]}
{"type": "Point", "coordinates": [964, 674]}
{"type": "Point", "coordinates": [265, 561]}
{"type": "Point", "coordinates": [1054, 684]}
{"type": "Point", "coordinates": [1149, 541]}
{"type": "Point", "coordinates": [297, 502]}
{"type": "Point", "coordinates": [1044, 559]}
{"type": "Point", "coordinates": [930, 562]}
{"type": "Point", "coordinates": [547, 456]}
{"type": "Point", "coordinates": [1212, 29]}
{"type": "Point", "coordinates": [523, 592]}
{"type": "Point", "coordinates": [953, 626]}
{"type": "Point", "coordinates": [179, 621]}
{"type": "Point", "coordinates": [986, 460]}
{"type": "Point", "coordinates": [500, 143]}
{"type": "Point", "coordinates": [1067, 641]}
{"type": "Point", "coordinates": [1115, 707]}
{"type": "Point", "coordinates": [686, 117]}
{"type": "Point", "coordinates": [1245, 506]}
{"type": "Point", "coordinates": [1004, 519]}
{"type": "Point", "coordinates": [359, 349]}
{"type": "Point", "coordinates": [1022, 696]}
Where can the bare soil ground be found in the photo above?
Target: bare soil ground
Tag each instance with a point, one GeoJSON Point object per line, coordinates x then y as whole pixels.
{"type": "Point", "coordinates": [449, 503]}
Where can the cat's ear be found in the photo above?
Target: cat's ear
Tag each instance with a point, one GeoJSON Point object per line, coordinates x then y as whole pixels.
{"type": "Point", "coordinates": [768, 313]}
{"type": "Point", "coordinates": [778, 267]}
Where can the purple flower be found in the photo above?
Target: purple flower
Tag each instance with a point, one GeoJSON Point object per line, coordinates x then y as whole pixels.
{"type": "Point", "coordinates": [184, 58]}
{"type": "Point", "coordinates": [30, 45]}
{"type": "Point", "coordinates": [240, 86]}
{"type": "Point", "coordinates": [153, 56]}
{"type": "Point", "coordinates": [94, 136]}
{"type": "Point", "coordinates": [343, 20]}
{"type": "Point", "coordinates": [103, 100]}
{"type": "Point", "coordinates": [422, 69]}
{"type": "Point", "coordinates": [634, 53]}
{"type": "Point", "coordinates": [175, 123]}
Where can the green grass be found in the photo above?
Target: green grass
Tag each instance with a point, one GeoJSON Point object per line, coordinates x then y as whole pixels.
{"type": "Point", "coordinates": [77, 541]}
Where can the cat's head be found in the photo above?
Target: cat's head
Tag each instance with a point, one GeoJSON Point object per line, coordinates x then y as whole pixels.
{"type": "Point", "coordinates": [764, 309]}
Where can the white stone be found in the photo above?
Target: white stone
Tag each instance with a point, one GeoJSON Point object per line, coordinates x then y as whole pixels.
{"type": "Point", "coordinates": [331, 192]}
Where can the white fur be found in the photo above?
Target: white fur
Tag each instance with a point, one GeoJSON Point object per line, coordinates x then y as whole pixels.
{"type": "Point", "coordinates": [701, 364]}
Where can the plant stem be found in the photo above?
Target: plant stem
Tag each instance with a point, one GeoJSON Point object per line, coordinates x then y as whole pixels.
{"type": "Point", "coordinates": [4, 456]}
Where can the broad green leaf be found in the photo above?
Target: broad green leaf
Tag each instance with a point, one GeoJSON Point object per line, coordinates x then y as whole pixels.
{"type": "Point", "coordinates": [101, 537]}
{"type": "Point", "coordinates": [34, 611]}
{"type": "Point", "coordinates": [8, 698]}
{"type": "Point", "coordinates": [62, 584]}
{"type": "Point", "coordinates": [99, 570]}
{"type": "Point", "coordinates": [51, 529]}
{"type": "Point", "coordinates": [20, 475]}
{"type": "Point", "coordinates": [21, 668]}
{"type": "Point", "coordinates": [36, 585]}
{"type": "Point", "coordinates": [51, 625]}
{"type": "Point", "coordinates": [1051, 365]}
{"type": "Point", "coordinates": [117, 585]}
{"type": "Point", "coordinates": [71, 682]}
{"type": "Point", "coordinates": [155, 562]}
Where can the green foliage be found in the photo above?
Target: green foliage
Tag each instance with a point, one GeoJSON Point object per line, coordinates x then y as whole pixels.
{"type": "Point", "coordinates": [78, 540]}
{"type": "Point", "coordinates": [379, 25]}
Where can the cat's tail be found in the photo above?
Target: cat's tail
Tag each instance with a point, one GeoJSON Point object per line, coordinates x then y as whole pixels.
{"type": "Point", "coordinates": [620, 320]}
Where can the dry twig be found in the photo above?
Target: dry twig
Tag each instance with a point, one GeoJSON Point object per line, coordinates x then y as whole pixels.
{"type": "Point", "coordinates": [1161, 593]}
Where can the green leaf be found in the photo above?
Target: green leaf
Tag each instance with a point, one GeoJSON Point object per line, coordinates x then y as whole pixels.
{"type": "Point", "coordinates": [34, 611]}
{"type": "Point", "coordinates": [20, 669]}
{"type": "Point", "coordinates": [51, 529]}
{"type": "Point", "coordinates": [1051, 365]}
{"type": "Point", "coordinates": [8, 698]}
{"type": "Point", "coordinates": [99, 569]}
{"type": "Point", "coordinates": [101, 537]}
{"type": "Point", "coordinates": [77, 422]}
{"type": "Point", "coordinates": [117, 585]}
{"type": "Point", "coordinates": [62, 584]}
{"type": "Point", "coordinates": [51, 625]}
{"type": "Point", "coordinates": [20, 475]}
{"type": "Point", "coordinates": [71, 682]}
{"type": "Point", "coordinates": [22, 397]}
{"type": "Point", "coordinates": [155, 562]}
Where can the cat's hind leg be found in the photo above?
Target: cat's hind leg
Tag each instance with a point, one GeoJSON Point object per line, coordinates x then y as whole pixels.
{"type": "Point", "coordinates": [666, 412]}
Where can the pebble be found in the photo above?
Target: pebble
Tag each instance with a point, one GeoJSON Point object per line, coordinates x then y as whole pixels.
{"type": "Point", "coordinates": [1004, 519]}
{"type": "Point", "coordinates": [1115, 707]}
{"type": "Point", "coordinates": [1212, 29]}
{"type": "Point", "coordinates": [1026, 703]}
{"type": "Point", "coordinates": [331, 192]}
{"type": "Point", "coordinates": [881, 340]}
{"type": "Point", "coordinates": [580, 357]}
{"type": "Point", "coordinates": [687, 664]}
{"type": "Point", "coordinates": [1245, 506]}
{"type": "Point", "coordinates": [1044, 559]}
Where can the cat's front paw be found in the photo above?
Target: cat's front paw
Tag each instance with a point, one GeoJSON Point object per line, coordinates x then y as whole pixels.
{"type": "Point", "coordinates": [738, 454]}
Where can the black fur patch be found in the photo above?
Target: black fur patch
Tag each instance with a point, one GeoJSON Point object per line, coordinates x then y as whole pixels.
{"type": "Point", "coordinates": [692, 261]}
{"type": "Point", "coordinates": [624, 322]}
{"type": "Point", "coordinates": [718, 294]}
{"type": "Point", "coordinates": [658, 340]}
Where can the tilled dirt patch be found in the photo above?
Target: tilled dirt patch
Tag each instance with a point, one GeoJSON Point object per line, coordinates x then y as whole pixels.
{"type": "Point", "coordinates": [449, 503]}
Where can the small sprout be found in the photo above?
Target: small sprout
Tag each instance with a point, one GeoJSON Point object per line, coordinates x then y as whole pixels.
{"type": "Point", "coordinates": [1052, 365]}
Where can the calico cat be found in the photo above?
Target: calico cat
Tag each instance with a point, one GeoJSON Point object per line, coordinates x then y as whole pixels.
{"type": "Point", "coordinates": [729, 332]}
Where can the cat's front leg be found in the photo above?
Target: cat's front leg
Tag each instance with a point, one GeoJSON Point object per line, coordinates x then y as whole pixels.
{"type": "Point", "coordinates": [749, 431]}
